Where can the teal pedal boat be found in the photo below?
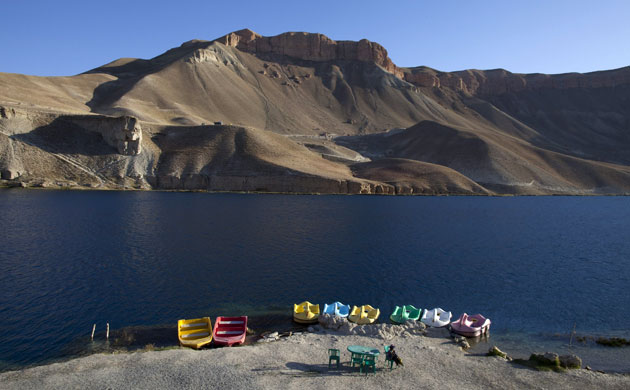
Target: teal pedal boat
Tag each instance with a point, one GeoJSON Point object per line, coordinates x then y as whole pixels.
{"type": "Point", "coordinates": [405, 313]}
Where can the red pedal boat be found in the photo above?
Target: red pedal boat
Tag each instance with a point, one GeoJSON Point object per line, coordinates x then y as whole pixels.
{"type": "Point", "coordinates": [229, 330]}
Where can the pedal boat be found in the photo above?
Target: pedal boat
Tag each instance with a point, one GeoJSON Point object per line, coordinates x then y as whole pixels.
{"type": "Point", "coordinates": [194, 333]}
{"type": "Point", "coordinates": [305, 313]}
{"type": "Point", "coordinates": [229, 330]}
{"type": "Point", "coordinates": [405, 313]}
{"type": "Point", "coordinates": [471, 326]}
{"type": "Point", "coordinates": [436, 318]}
{"type": "Point", "coordinates": [338, 309]}
{"type": "Point", "coordinates": [363, 315]}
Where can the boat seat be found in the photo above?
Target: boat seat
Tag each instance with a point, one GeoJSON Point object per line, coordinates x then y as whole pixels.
{"type": "Point", "coordinates": [229, 332]}
{"type": "Point", "coordinates": [194, 325]}
{"type": "Point", "coordinates": [231, 322]}
{"type": "Point", "coordinates": [193, 335]}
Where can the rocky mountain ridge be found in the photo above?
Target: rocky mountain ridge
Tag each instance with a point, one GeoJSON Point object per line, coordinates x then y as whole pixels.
{"type": "Point", "coordinates": [318, 47]}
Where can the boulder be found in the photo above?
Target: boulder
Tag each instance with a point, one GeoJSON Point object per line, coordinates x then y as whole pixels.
{"type": "Point", "coordinates": [550, 359]}
{"type": "Point", "coordinates": [495, 351]}
{"type": "Point", "coordinates": [570, 361]}
{"type": "Point", "coordinates": [329, 321]}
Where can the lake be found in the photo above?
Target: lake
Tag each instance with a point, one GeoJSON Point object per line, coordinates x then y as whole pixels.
{"type": "Point", "coordinates": [537, 266]}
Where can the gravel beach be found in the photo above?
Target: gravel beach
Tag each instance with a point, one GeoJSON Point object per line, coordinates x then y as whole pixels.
{"type": "Point", "coordinates": [300, 361]}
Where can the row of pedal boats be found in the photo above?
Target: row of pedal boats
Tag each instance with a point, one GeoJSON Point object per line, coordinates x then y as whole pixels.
{"type": "Point", "coordinates": [199, 332]}
{"type": "Point", "coordinates": [466, 325]}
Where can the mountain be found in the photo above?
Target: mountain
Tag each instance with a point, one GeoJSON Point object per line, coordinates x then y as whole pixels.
{"type": "Point", "coordinates": [300, 112]}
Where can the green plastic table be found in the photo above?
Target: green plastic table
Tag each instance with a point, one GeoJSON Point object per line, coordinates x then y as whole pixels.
{"type": "Point", "coordinates": [361, 350]}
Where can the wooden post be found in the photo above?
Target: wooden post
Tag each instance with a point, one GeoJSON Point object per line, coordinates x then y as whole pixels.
{"type": "Point", "coordinates": [107, 334]}
{"type": "Point", "coordinates": [572, 333]}
{"type": "Point", "coordinates": [93, 329]}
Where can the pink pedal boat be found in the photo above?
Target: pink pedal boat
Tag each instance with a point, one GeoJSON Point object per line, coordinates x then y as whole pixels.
{"type": "Point", "coordinates": [471, 326]}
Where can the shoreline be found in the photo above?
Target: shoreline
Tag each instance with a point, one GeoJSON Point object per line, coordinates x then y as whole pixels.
{"type": "Point", "coordinates": [23, 186]}
{"type": "Point", "coordinates": [143, 338]}
{"type": "Point", "coordinates": [300, 360]}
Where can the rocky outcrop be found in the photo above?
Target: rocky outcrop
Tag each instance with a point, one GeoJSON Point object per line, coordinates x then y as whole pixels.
{"type": "Point", "coordinates": [570, 361]}
{"type": "Point", "coordinates": [6, 112]}
{"type": "Point", "coordinates": [500, 81]}
{"type": "Point", "coordinates": [311, 47]}
{"type": "Point", "coordinates": [318, 47]}
{"type": "Point", "coordinates": [124, 133]}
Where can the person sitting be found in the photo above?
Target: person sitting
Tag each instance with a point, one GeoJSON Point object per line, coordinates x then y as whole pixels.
{"type": "Point", "coordinates": [393, 356]}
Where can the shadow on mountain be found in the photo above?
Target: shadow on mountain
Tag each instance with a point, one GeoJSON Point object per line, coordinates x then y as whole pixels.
{"type": "Point", "coordinates": [63, 136]}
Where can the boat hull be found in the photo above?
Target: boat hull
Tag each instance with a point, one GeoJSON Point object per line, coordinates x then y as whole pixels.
{"type": "Point", "coordinates": [194, 333]}
{"type": "Point", "coordinates": [229, 331]}
{"type": "Point", "coordinates": [306, 321]}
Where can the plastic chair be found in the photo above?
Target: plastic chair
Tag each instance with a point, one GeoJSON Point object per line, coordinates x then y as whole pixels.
{"type": "Point", "coordinates": [356, 358]}
{"type": "Point", "coordinates": [368, 361]}
{"type": "Point", "coordinates": [387, 360]}
{"type": "Point", "coordinates": [333, 354]}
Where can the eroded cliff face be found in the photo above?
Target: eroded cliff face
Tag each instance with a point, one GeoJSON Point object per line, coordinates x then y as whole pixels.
{"type": "Point", "coordinates": [318, 47]}
{"type": "Point", "coordinates": [500, 81]}
{"type": "Point", "coordinates": [124, 133]}
{"type": "Point", "coordinates": [47, 149]}
{"type": "Point", "coordinates": [311, 47]}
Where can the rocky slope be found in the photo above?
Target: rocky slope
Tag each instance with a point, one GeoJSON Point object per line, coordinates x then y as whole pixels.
{"type": "Point", "coordinates": [301, 112]}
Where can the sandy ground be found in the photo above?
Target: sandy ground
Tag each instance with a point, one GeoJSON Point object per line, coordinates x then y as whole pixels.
{"type": "Point", "coordinates": [299, 362]}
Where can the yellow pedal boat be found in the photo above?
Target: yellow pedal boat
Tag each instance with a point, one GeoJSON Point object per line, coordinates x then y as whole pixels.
{"type": "Point", "coordinates": [365, 314]}
{"type": "Point", "coordinates": [305, 313]}
{"type": "Point", "coordinates": [194, 333]}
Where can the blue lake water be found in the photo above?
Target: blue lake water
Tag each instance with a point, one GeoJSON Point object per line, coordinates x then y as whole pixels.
{"type": "Point", "coordinates": [534, 265]}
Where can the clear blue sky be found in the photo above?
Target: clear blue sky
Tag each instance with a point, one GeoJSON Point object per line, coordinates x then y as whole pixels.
{"type": "Point", "coordinates": [62, 37]}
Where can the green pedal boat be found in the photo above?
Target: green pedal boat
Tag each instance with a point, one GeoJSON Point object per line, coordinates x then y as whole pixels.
{"type": "Point", "coordinates": [405, 313]}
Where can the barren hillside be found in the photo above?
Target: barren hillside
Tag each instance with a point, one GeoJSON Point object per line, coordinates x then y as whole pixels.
{"type": "Point", "coordinates": [300, 112]}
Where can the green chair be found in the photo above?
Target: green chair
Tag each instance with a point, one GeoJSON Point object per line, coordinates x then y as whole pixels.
{"type": "Point", "coordinates": [388, 362]}
{"type": "Point", "coordinates": [368, 361]}
{"type": "Point", "coordinates": [356, 358]}
{"type": "Point", "coordinates": [333, 354]}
